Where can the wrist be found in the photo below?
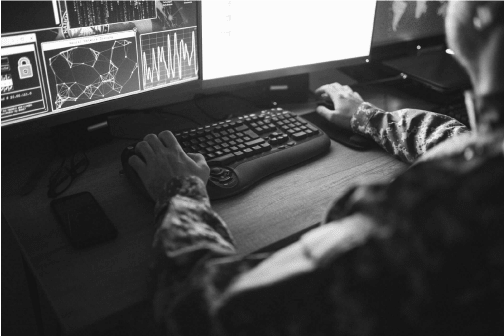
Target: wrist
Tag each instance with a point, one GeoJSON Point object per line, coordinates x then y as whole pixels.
{"type": "Point", "coordinates": [184, 186]}
{"type": "Point", "coordinates": [360, 119]}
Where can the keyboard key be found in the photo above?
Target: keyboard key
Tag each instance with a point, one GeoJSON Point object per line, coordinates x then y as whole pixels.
{"type": "Point", "coordinates": [239, 155]}
{"type": "Point", "coordinates": [257, 149]}
{"type": "Point", "coordinates": [260, 130]}
{"type": "Point", "coordinates": [265, 147]}
{"type": "Point", "coordinates": [316, 131]}
{"type": "Point", "coordinates": [254, 142]}
{"type": "Point", "coordinates": [251, 134]}
{"type": "Point", "coordinates": [248, 152]}
{"type": "Point", "coordinates": [241, 128]}
{"type": "Point", "coordinates": [299, 135]}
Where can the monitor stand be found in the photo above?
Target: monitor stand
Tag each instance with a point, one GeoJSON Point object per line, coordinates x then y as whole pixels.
{"type": "Point", "coordinates": [282, 90]}
{"type": "Point", "coordinates": [370, 73]}
{"type": "Point", "coordinates": [80, 135]}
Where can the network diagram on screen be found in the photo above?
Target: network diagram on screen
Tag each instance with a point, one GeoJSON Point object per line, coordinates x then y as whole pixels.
{"type": "Point", "coordinates": [60, 56]}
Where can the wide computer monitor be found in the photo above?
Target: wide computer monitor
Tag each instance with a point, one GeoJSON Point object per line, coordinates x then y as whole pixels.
{"type": "Point", "coordinates": [69, 60]}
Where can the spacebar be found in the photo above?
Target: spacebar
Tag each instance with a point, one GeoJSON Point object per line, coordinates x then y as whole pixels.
{"type": "Point", "coordinates": [224, 160]}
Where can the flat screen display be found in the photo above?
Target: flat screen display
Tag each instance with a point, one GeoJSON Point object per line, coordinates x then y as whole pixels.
{"type": "Point", "coordinates": [249, 36]}
{"type": "Point", "coordinates": [405, 21]}
{"type": "Point", "coordinates": [62, 55]}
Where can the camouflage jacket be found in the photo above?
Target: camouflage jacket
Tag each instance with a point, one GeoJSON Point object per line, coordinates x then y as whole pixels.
{"type": "Point", "coordinates": [383, 262]}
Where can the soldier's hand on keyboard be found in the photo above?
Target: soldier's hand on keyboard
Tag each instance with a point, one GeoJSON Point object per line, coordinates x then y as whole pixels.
{"type": "Point", "coordinates": [345, 101]}
{"type": "Point", "coordinates": [164, 159]}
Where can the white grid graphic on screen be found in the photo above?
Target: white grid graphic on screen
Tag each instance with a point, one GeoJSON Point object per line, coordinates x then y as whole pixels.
{"type": "Point", "coordinates": [169, 57]}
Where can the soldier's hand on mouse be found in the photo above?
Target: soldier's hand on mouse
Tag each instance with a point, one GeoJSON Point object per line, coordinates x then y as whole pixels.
{"type": "Point", "coordinates": [164, 159]}
{"type": "Point", "coordinates": [345, 101]}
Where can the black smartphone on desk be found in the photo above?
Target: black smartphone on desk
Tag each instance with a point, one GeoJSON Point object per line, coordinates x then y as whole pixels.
{"type": "Point", "coordinates": [83, 220]}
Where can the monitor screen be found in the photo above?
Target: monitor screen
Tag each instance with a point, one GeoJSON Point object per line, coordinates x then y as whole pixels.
{"type": "Point", "coordinates": [250, 36]}
{"type": "Point", "coordinates": [59, 56]}
{"type": "Point", "coordinates": [407, 21]}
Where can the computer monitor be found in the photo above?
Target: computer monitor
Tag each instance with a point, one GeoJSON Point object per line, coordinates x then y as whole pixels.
{"type": "Point", "coordinates": [252, 37]}
{"type": "Point", "coordinates": [68, 60]}
{"type": "Point", "coordinates": [404, 27]}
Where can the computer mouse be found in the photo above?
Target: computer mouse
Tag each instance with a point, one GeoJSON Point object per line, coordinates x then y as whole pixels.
{"type": "Point", "coordinates": [130, 173]}
{"type": "Point", "coordinates": [345, 137]}
{"type": "Point", "coordinates": [326, 103]}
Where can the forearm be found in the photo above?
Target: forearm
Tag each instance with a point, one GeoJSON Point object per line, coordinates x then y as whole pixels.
{"type": "Point", "coordinates": [187, 223]}
{"type": "Point", "coordinates": [188, 234]}
{"type": "Point", "coordinates": [407, 133]}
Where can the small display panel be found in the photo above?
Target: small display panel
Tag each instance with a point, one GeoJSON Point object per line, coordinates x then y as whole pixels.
{"type": "Point", "coordinates": [22, 90]}
{"type": "Point", "coordinates": [88, 69]}
{"type": "Point", "coordinates": [95, 13]}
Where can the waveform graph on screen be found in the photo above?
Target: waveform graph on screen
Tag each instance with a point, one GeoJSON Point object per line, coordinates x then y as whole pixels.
{"type": "Point", "coordinates": [169, 57]}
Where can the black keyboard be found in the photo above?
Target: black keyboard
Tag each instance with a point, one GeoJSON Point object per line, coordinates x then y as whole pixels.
{"type": "Point", "coordinates": [244, 150]}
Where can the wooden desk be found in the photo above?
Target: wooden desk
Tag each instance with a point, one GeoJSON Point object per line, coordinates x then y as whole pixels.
{"type": "Point", "coordinates": [87, 287]}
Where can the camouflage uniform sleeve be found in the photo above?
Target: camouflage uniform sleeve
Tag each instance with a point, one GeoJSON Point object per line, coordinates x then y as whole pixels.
{"type": "Point", "coordinates": [189, 233]}
{"type": "Point", "coordinates": [187, 223]}
{"type": "Point", "coordinates": [407, 133]}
